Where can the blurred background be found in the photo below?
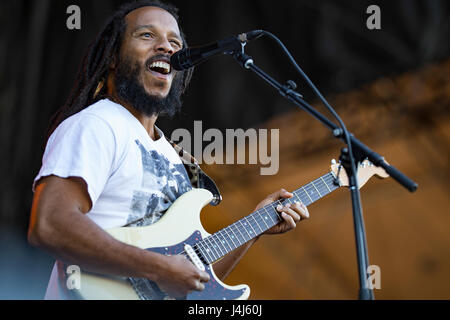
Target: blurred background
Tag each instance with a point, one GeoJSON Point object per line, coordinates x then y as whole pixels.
{"type": "Point", "coordinates": [390, 86]}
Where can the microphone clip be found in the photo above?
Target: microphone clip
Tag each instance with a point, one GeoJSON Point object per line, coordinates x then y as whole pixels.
{"type": "Point", "coordinates": [243, 38]}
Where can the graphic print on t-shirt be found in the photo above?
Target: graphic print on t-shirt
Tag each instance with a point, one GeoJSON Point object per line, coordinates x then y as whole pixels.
{"type": "Point", "coordinates": [162, 183]}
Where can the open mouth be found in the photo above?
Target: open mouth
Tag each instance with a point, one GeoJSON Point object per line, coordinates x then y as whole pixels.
{"type": "Point", "coordinates": [160, 67]}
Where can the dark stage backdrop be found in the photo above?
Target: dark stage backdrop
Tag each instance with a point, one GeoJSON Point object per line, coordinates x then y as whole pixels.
{"type": "Point", "coordinates": [39, 58]}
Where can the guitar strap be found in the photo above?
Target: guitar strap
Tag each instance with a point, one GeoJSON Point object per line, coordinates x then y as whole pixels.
{"type": "Point", "coordinates": [199, 179]}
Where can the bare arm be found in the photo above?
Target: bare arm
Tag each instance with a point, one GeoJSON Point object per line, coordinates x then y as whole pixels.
{"type": "Point", "coordinates": [59, 226]}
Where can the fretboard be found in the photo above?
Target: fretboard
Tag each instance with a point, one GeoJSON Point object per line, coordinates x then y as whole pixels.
{"type": "Point", "coordinates": [226, 240]}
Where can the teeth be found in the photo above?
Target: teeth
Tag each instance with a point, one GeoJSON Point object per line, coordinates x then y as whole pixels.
{"type": "Point", "coordinates": [161, 64]}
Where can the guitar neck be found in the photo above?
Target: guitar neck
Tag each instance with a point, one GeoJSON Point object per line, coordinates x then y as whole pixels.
{"type": "Point", "coordinates": [226, 240]}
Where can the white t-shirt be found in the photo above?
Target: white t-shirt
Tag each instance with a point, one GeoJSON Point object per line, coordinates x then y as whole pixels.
{"type": "Point", "coordinates": [129, 176]}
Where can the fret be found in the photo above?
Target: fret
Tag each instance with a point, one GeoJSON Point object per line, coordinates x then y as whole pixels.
{"type": "Point", "coordinates": [239, 236]}
{"type": "Point", "coordinates": [307, 195]}
{"type": "Point", "coordinates": [254, 216]}
{"type": "Point", "coordinates": [238, 229]}
{"type": "Point", "coordinates": [274, 215]}
{"type": "Point", "coordinates": [306, 198]}
{"type": "Point", "coordinates": [329, 190]}
{"type": "Point", "coordinates": [245, 235]}
{"type": "Point", "coordinates": [212, 249]}
{"type": "Point", "coordinates": [235, 236]}
{"type": "Point", "coordinates": [230, 239]}
{"type": "Point", "coordinates": [270, 216]}
{"type": "Point", "coordinates": [264, 218]}
{"type": "Point", "coordinates": [232, 236]}
{"type": "Point", "coordinates": [326, 190]}
{"type": "Point", "coordinates": [217, 244]}
{"type": "Point", "coordinates": [257, 216]}
{"type": "Point", "coordinates": [323, 187]}
{"type": "Point", "coordinates": [214, 253]}
{"type": "Point", "coordinates": [316, 189]}
{"type": "Point", "coordinates": [277, 214]}
{"type": "Point", "coordinates": [225, 241]}
{"type": "Point", "coordinates": [313, 191]}
{"type": "Point", "coordinates": [252, 233]}
{"type": "Point", "coordinates": [298, 196]}
{"type": "Point", "coordinates": [256, 224]}
{"type": "Point", "coordinates": [245, 230]}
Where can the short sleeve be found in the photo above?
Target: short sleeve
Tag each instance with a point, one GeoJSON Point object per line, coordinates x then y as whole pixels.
{"type": "Point", "coordinates": [82, 146]}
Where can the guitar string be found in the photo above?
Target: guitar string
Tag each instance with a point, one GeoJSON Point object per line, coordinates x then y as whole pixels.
{"type": "Point", "coordinates": [232, 235]}
{"type": "Point", "coordinates": [254, 215]}
{"type": "Point", "coordinates": [309, 187]}
{"type": "Point", "coordinates": [214, 247]}
{"type": "Point", "coordinates": [216, 237]}
{"type": "Point", "coordinates": [200, 244]}
{"type": "Point", "coordinates": [327, 185]}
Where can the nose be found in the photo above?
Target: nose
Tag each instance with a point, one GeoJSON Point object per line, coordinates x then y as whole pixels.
{"type": "Point", "coordinates": [164, 46]}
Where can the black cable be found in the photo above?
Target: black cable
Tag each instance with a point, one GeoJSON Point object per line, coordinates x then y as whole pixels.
{"type": "Point", "coordinates": [321, 97]}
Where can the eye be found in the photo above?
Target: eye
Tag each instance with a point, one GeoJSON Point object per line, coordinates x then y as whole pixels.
{"type": "Point", "coordinates": [146, 35]}
{"type": "Point", "coordinates": [176, 43]}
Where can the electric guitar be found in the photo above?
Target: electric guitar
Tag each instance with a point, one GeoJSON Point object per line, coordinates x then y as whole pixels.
{"type": "Point", "coordinates": [180, 231]}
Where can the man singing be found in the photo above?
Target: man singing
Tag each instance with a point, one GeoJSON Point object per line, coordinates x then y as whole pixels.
{"type": "Point", "coordinates": [107, 165]}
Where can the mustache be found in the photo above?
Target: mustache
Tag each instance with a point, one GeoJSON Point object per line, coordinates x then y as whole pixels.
{"type": "Point", "coordinates": [158, 57]}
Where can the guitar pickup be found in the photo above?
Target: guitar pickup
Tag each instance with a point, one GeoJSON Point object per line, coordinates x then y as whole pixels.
{"type": "Point", "coordinates": [194, 257]}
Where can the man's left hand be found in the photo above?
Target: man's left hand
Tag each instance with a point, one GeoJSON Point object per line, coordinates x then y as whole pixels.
{"type": "Point", "coordinates": [290, 213]}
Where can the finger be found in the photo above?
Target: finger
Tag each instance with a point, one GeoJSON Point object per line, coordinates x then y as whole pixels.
{"type": "Point", "coordinates": [282, 193]}
{"type": "Point", "coordinates": [289, 220]}
{"type": "Point", "coordinates": [199, 286]}
{"type": "Point", "coordinates": [204, 277]}
{"type": "Point", "coordinates": [301, 209]}
{"type": "Point", "coordinates": [287, 217]}
{"type": "Point", "coordinates": [289, 209]}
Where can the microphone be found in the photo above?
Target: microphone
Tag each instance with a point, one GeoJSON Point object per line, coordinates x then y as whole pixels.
{"type": "Point", "coordinates": [190, 57]}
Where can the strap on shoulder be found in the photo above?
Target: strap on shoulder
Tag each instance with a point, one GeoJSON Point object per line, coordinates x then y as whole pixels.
{"type": "Point", "coordinates": [199, 179]}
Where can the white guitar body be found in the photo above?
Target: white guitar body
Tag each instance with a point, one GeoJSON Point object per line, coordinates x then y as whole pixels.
{"type": "Point", "coordinates": [180, 223]}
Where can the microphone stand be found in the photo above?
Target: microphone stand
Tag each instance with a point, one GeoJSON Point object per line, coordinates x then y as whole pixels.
{"type": "Point", "coordinates": [360, 152]}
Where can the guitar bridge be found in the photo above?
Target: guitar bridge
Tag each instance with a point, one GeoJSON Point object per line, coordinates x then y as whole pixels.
{"type": "Point", "coordinates": [194, 257]}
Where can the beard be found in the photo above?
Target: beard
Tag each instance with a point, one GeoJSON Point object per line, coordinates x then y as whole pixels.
{"type": "Point", "coordinates": [130, 90]}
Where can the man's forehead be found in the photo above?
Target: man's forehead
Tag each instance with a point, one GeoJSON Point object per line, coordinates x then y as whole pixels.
{"type": "Point", "coordinates": [151, 16]}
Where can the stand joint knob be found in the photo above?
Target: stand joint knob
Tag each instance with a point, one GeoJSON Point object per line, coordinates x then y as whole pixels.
{"type": "Point", "coordinates": [338, 132]}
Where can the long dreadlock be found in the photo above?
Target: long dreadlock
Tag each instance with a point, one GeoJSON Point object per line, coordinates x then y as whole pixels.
{"type": "Point", "coordinates": [98, 58]}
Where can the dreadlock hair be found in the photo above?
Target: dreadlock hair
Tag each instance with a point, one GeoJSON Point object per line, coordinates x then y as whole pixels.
{"type": "Point", "coordinates": [98, 58]}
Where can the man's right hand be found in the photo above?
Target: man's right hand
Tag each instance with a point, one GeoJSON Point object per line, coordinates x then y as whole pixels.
{"type": "Point", "coordinates": [180, 277]}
